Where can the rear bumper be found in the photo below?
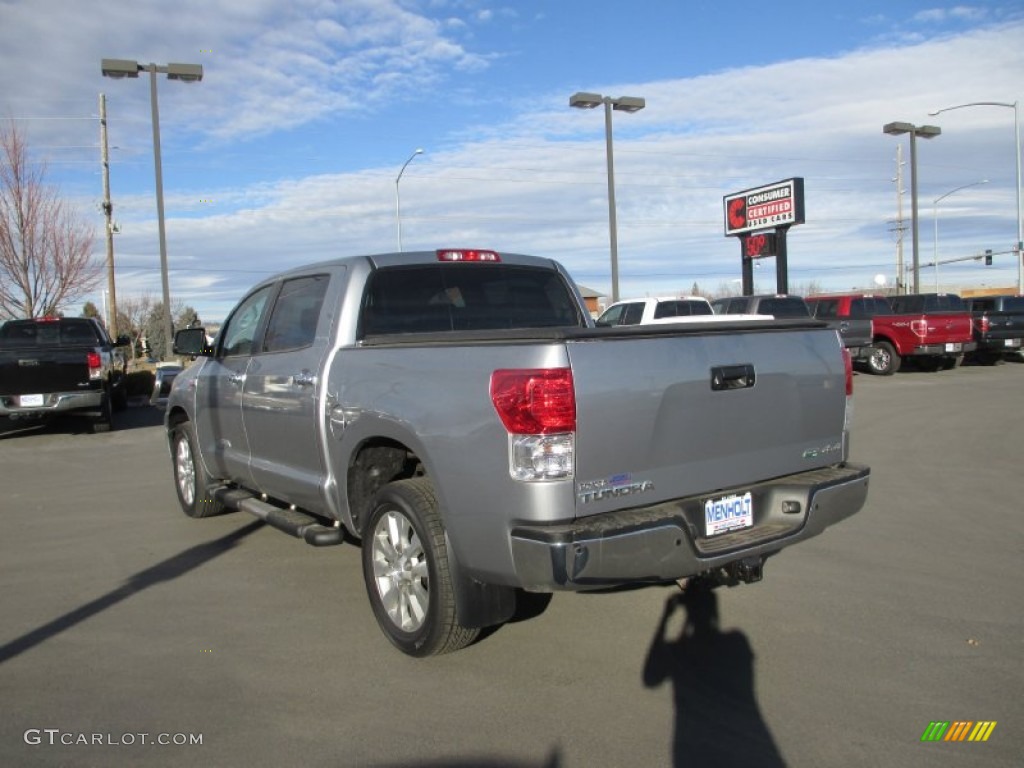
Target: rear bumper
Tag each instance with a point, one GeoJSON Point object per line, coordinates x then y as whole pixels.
{"type": "Point", "coordinates": [666, 541]}
{"type": "Point", "coordinates": [999, 344]}
{"type": "Point", "coordinates": [942, 349]}
{"type": "Point", "coordinates": [53, 403]}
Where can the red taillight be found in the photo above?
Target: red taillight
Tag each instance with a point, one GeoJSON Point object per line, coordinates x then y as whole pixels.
{"type": "Point", "coordinates": [92, 359]}
{"type": "Point", "coordinates": [919, 328]}
{"type": "Point", "coordinates": [848, 369]}
{"type": "Point", "coordinates": [535, 401]}
{"type": "Point", "coordinates": [462, 254]}
{"type": "Point", "coordinates": [983, 324]}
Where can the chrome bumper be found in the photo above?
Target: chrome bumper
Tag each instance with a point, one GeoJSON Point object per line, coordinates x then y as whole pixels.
{"type": "Point", "coordinates": [54, 402]}
{"type": "Point", "coordinates": [665, 542]}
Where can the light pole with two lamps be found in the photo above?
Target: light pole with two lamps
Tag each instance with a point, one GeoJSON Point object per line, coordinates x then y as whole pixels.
{"type": "Point", "coordinates": [398, 202]}
{"type": "Point", "coordinates": [189, 73]}
{"type": "Point", "coordinates": [925, 132]}
{"type": "Point", "coordinates": [935, 220]}
{"type": "Point", "coordinates": [1019, 249]}
{"type": "Point", "coordinates": [583, 100]}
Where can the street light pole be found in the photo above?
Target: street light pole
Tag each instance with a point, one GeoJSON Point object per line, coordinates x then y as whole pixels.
{"type": "Point", "coordinates": [1019, 248]}
{"type": "Point", "coordinates": [398, 202]}
{"type": "Point", "coordinates": [583, 100]}
{"type": "Point", "coordinates": [188, 73]}
{"type": "Point", "coordinates": [935, 220]}
{"type": "Point", "coordinates": [925, 132]}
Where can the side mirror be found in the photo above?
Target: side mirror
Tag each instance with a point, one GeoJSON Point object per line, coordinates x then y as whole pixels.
{"type": "Point", "coordinates": [191, 342]}
{"type": "Point", "coordinates": [122, 340]}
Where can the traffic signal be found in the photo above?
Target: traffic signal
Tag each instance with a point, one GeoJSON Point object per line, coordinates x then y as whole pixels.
{"type": "Point", "coordinates": [988, 257]}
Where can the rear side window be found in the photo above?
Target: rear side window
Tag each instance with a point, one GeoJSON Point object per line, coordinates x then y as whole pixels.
{"type": "Point", "coordinates": [824, 308]}
{"type": "Point", "coordinates": [633, 313]}
{"type": "Point", "coordinates": [1013, 304]}
{"type": "Point", "coordinates": [681, 308]}
{"type": "Point", "coordinates": [293, 320]}
{"type": "Point", "coordinates": [789, 306]}
{"type": "Point", "coordinates": [462, 297]}
{"type": "Point", "coordinates": [869, 307]}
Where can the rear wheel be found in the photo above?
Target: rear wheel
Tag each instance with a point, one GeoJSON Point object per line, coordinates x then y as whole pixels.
{"type": "Point", "coordinates": [884, 360]}
{"type": "Point", "coordinates": [104, 420]}
{"type": "Point", "coordinates": [952, 361]}
{"type": "Point", "coordinates": [405, 565]}
{"type": "Point", "coordinates": [190, 480]}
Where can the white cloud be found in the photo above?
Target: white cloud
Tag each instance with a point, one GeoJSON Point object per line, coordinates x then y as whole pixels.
{"type": "Point", "coordinates": [533, 183]}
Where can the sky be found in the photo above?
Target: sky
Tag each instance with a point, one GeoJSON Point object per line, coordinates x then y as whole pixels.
{"type": "Point", "coordinates": [289, 149]}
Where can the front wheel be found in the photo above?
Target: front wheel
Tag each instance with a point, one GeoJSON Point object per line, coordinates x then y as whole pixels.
{"type": "Point", "coordinates": [884, 359]}
{"type": "Point", "coordinates": [190, 480]}
{"type": "Point", "coordinates": [405, 566]}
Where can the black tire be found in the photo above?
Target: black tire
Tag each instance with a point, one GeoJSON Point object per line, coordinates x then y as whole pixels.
{"type": "Point", "coordinates": [119, 396]}
{"type": "Point", "coordinates": [952, 361]}
{"type": "Point", "coordinates": [104, 420]}
{"type": "Point", "coordinates": [884, 360]}
{"type": "Point", "coordinates": [191, 482]}
{"type": "Point", "coordinates": [405, 566]}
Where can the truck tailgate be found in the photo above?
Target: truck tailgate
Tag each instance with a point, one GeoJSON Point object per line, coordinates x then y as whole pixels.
{"type": "Point", "coordinates": [43, 370]}
{"type": "Point", "coordinates": [697, 413]}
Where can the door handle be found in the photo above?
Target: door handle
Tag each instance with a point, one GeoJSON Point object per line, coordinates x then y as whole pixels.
{"type": "Point", "coordinates": [304, 379]}
{"type": "Point", "coordinates": [238, 379]}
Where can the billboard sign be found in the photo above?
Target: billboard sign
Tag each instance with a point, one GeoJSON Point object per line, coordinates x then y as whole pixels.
{"type": "Point", "coordinates": [775, 205]}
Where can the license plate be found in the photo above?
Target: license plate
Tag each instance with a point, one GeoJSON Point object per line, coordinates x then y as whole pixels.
{"type": "Point", "coordinates": [729, 513]}
{"type": "Point", "coordinates": [1012, 342]}
{"type": "Point", "coordinates": [954, 347]}
{"type": "Point", "coordinates": [30, 401]}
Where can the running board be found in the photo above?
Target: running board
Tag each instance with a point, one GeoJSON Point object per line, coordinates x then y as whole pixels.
{"type": "Point", "coordinates": [291, 521]}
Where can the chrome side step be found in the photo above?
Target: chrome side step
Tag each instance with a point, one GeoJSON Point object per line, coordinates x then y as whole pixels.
{"type": "Point", "coordinates": [291, 521]}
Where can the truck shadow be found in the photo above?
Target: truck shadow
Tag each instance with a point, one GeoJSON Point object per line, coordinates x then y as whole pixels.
{"type": "Point", "coordinates": [717, 718]}
{"type": "Point", "coordinates": [133, 417]}
{"type": "Point", "coordinates": [165, 570]}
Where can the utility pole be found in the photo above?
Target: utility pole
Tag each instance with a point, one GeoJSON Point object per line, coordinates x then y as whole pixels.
{"type": "Point", "coordinates": [108, 212]}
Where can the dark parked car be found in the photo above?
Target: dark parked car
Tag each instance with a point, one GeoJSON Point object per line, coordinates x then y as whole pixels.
{"type": "Point", "coordinates": [998, 326]}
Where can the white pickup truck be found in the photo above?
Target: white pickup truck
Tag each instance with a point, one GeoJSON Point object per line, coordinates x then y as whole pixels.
{"type": "Point", "coordinates": [457, 412]}
{"type": "Point", "coordinates": [667, 309]}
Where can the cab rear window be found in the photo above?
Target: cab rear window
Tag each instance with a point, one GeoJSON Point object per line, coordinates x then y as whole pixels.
{"type": "Point", "coordinates": [434, 298]}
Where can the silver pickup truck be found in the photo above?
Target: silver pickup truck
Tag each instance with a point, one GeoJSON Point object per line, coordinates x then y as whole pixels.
{"type": "Point", "coordinates": [458, 413]}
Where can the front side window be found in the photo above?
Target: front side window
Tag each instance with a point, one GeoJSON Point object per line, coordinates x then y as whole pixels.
{"type": "Point", "coordinates": [239, 332]}
{"type": "Point", "coordinates": [612, 315]}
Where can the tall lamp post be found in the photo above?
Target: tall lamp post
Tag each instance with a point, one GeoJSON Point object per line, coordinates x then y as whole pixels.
{"type": "Point", "coordinates": [398, 201]}
{"type": "Point", "coordinates": [583, 100]}
{"type": "Point", "coordinates": [935, 220]}
{"type": "Point", "coordinates": [925, 132]}
{"type": "Point", "coordinates": [1019, 249]}
{"type": "Point", "coordinates": [189, 73]}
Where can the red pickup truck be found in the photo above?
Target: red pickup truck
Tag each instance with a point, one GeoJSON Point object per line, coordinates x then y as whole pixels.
{"type": "Point", "coordinates": [934, 329]}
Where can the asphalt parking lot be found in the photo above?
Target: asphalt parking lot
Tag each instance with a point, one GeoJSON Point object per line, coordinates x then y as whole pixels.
{"type": "Point", "coordinates": [126, 624]}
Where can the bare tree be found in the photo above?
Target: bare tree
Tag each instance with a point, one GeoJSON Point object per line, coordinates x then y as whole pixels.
{"type": "Point", "coordinates": [132, 315]}
{"type": "Point", "coordinates": [45, 248]}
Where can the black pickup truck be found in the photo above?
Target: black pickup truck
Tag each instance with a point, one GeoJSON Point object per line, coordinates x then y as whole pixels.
{"type": "Point", "coordinates": [998, 326]}
{"type": "Point", "coordinates": [852, 318]}
{"type": "Point", "coordinates": [53, 366]}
